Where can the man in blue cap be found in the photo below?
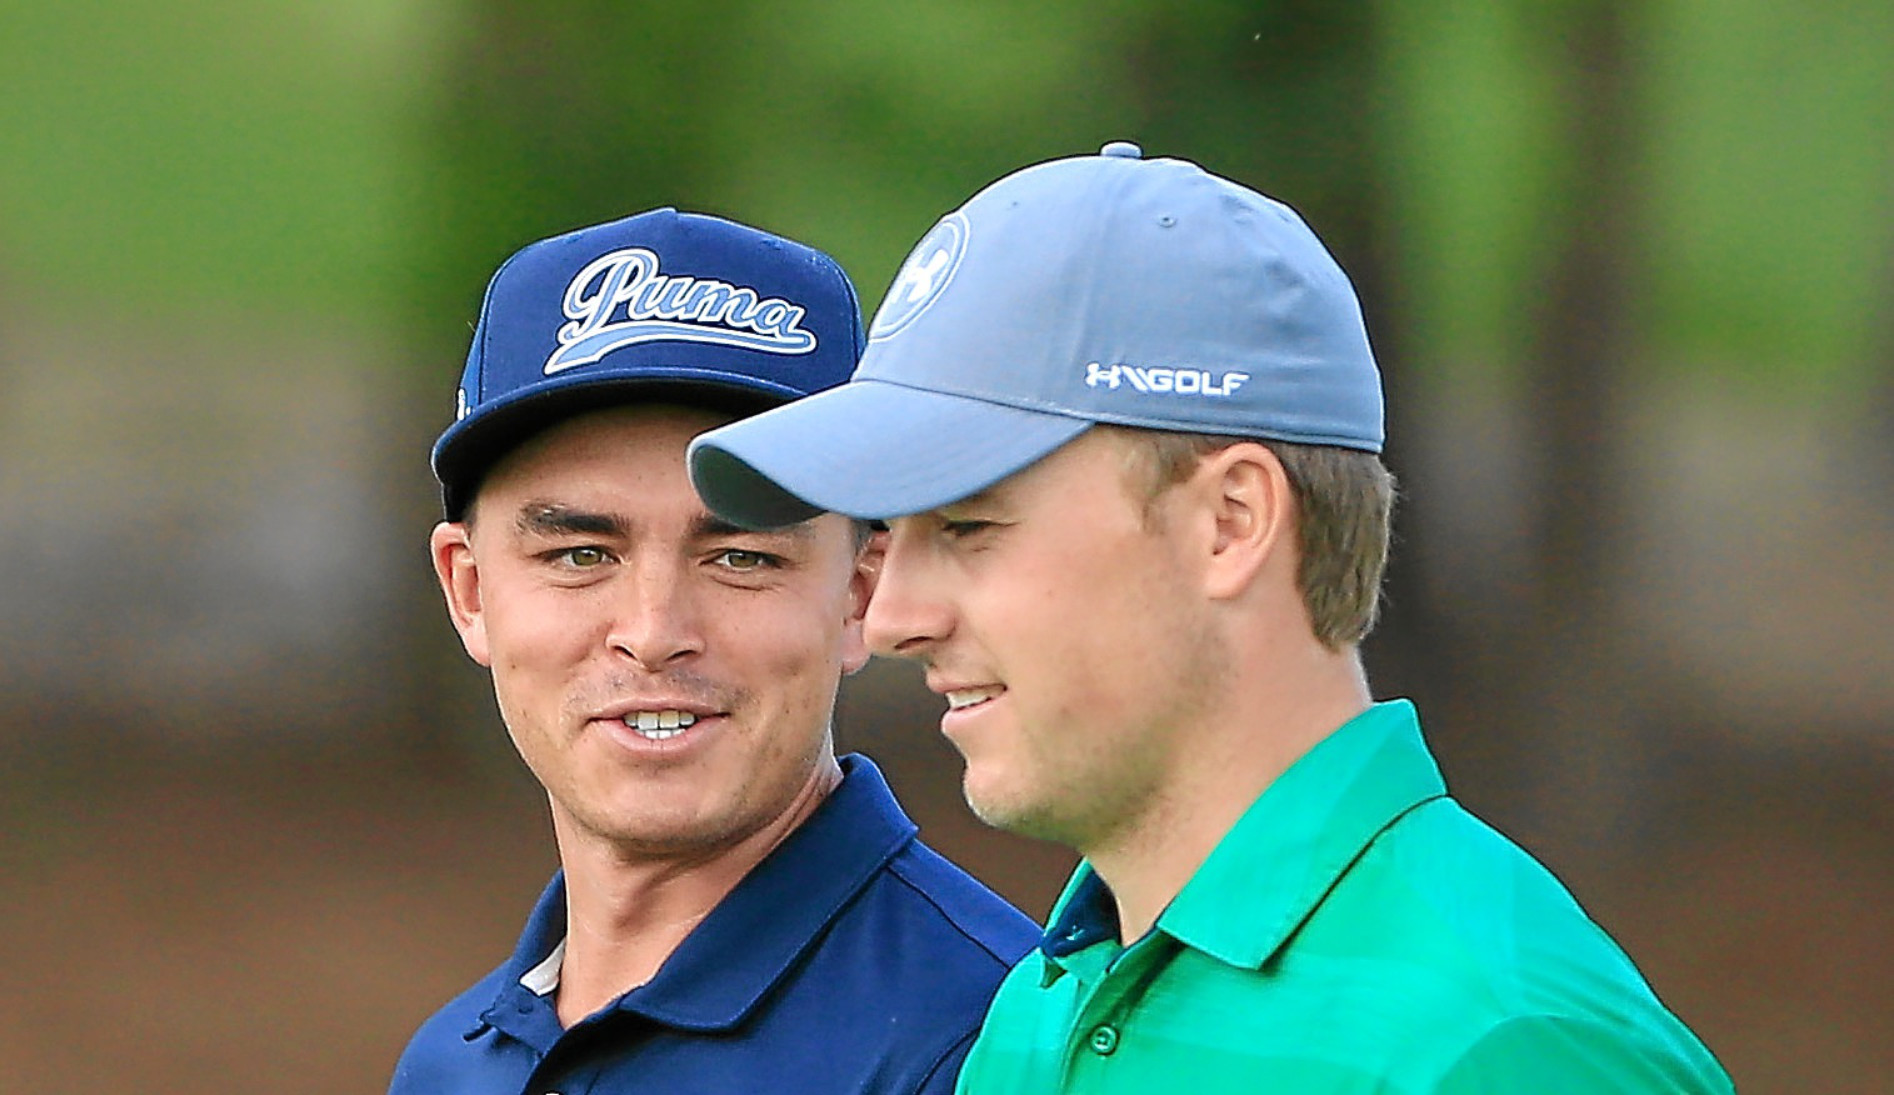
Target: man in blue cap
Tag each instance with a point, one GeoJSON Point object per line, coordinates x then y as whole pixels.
{"type": "Point", "coordinates": [737, 909]}
{"type": "Point", "coordinates": [1123, 420]}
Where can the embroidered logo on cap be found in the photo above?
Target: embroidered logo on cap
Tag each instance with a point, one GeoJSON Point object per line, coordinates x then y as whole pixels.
{"type": "Point", "coordinates": [622, 299]}
{"type": "Point", "coordinates": [1161, 381]}
{"type": "Point", "coordinates": [930, 266]}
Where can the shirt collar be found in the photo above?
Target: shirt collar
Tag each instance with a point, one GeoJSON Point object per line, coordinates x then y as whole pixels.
{"type": "Point", "coordinates": [519, 1006]}
{"type": "Point", "coordinates": [756, 933]}
{"type": "Point", "coordinates": [1281, 858]}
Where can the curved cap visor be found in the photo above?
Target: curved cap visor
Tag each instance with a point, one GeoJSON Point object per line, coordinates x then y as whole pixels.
{"type": "Point", "coordinates": [470, 448]}
{"type": "Point", "coordinates": [869, 450]}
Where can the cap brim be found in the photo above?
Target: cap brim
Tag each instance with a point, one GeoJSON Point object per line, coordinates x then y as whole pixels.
{"type": "Point", "coordinates": [469, 448]}
{"type": "Point", "coordinates": [867, 449]}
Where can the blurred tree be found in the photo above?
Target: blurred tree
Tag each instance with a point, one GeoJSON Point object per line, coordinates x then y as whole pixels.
{"type": "Point", "coordinates": [1547, 154]}
{"type": "Point", "coordinates": [1587, 746]}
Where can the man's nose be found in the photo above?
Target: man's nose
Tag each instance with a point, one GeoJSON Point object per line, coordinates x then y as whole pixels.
{"type": "Point", "coordinates": [656, 618]}
{"type": "Point", "coordinates": [906, 617]}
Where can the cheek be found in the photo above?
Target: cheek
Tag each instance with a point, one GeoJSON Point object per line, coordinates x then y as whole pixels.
{"type": "Point", "coordinates": [792, 649]}
{"type": "Point", "coordinates": [1102, 635]}
{"type": "Point", "coordinates": [534, 635]}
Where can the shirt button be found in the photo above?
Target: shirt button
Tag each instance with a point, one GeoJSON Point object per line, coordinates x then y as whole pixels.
{"type": "Point", "coordinates": [1104, 1039]}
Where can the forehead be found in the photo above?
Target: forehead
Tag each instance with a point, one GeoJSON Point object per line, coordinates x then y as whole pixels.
{"type": "Point", "coordinates": [1101, 458]}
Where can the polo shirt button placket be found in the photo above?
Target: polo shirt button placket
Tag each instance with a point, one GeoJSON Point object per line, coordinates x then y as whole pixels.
{"type": "Point", "coordinates": [1104, 1039]}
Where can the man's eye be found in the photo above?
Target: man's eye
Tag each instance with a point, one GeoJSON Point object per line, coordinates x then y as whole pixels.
{"type": "Point", "coordinates": [745, 561]}
{"type": "Point", "coordinates": [584, 558]}
{"type": "Point", "coordinates": [961, 529]}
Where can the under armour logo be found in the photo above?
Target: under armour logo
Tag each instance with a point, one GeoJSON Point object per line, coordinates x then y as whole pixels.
{"type": "Point", "coordinates": [1096, 374]}
{"type": "Point", "coordinates": [923, 277]}
{"type": "Point", "coordinates": [919, 278]}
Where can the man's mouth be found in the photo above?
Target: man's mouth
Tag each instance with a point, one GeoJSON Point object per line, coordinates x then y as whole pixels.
{"type": "Point", "coordinates": [959, 698]}
{"type": "Point", "coordinates": [659, 725]}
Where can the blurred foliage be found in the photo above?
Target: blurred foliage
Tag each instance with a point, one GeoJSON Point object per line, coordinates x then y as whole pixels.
{"type": "Point", "coordinates": [193, 156]}
{"type": "Point", "coordinates": [855, 125]}
{"type": "Point", "coordinates": [373, 160]}
{"type": "Point", "coordinates": [1760, 149]}
{"type": "Point", "coordinates": [1769, 169]}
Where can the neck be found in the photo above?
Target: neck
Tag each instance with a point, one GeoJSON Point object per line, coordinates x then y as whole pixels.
{"type": "Point", "coordinates": [628, 909]}
{"type": "Point", "coordinates": [1263, 725]}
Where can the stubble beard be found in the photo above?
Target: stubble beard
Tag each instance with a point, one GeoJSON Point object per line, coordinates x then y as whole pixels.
{"type": "Point", "coordinates": [1108, 790]}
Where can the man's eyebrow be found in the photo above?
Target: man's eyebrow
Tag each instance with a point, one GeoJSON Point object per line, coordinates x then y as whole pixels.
{"type": "Point", "coordinates": [555, 519]}
{"type": "Point", "coordinates": [985, 497]}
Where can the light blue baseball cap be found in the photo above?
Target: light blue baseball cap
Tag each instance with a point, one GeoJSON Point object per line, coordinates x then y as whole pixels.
{"type": "Point", "coordinates": [1093, 289]}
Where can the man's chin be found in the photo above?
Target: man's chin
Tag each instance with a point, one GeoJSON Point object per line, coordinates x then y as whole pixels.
{"type": "Point", "coordinates": [1008, 810]}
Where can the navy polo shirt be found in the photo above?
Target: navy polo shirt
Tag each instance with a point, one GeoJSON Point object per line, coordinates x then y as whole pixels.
{"type": "Point", "coordinates": [853, 958]}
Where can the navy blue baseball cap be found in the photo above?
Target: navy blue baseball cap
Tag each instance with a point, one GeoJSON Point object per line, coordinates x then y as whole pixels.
{"type": "Point", "coordinates": [661, 305]}
{"type": "Point", "coordinates": [1092, 289]}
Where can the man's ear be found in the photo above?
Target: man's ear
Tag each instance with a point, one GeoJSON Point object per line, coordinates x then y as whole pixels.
{"type": "Point", "coordinates": [1252, 510]}
{"type": "Point", "coordinates": [861, 589]}
{"type": "Point", "coordinates": [452, 551]}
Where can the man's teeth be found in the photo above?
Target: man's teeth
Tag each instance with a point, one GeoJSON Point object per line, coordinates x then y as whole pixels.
{"type": "Point", "coordinates": [658, 725]}
{"type": "Point", "coordinates": [967, 697]}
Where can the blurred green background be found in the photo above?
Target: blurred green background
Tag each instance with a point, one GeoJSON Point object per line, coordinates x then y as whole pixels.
{"type": "Point", "coordinates": [1627, 266]}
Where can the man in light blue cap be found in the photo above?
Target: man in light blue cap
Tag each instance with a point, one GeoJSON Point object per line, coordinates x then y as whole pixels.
{"type": "Point", "coordinates": [1123, 421]}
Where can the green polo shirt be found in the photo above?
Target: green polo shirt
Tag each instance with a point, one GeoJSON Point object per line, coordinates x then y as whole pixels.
{"type": "Point", "coordinates": [1356, 930]}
